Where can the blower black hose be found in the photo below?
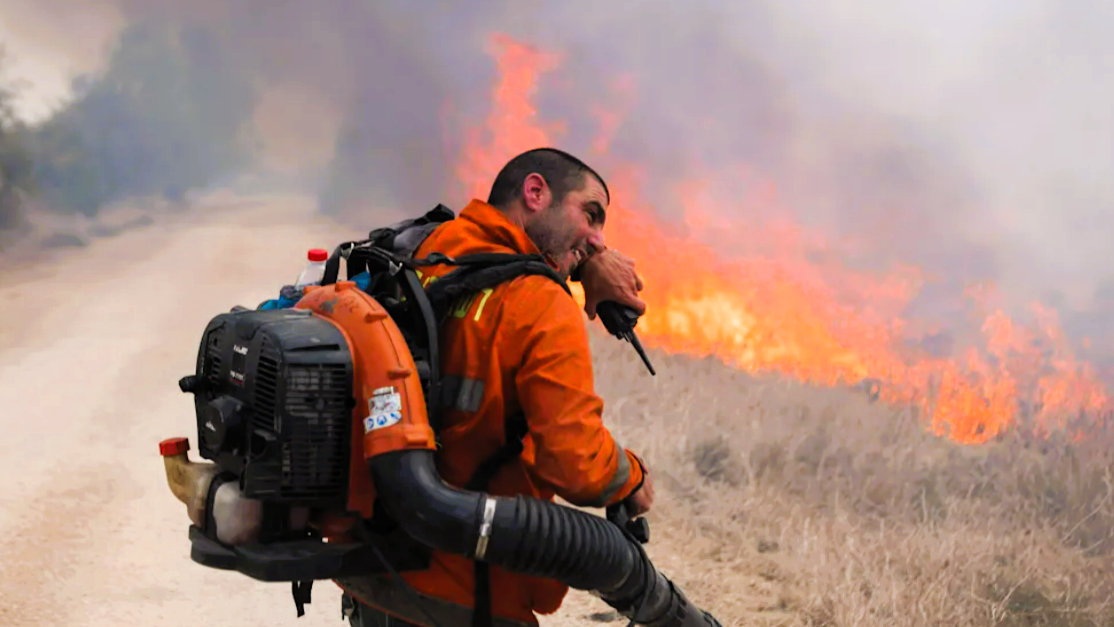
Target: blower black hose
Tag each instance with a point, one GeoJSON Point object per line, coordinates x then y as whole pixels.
{"type": "Point", "coordinates": [532, 537]}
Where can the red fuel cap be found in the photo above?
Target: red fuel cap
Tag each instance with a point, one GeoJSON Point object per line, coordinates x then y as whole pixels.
{"type": "Point", "coordinates": [174, 446]}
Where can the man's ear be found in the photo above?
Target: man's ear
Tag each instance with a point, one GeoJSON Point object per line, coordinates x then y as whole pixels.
{"type": "Point", "coordinates": [536, 194]}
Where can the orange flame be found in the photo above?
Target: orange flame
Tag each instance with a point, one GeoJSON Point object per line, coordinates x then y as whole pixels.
{"type": "Point", "coordinates": [774, 307]}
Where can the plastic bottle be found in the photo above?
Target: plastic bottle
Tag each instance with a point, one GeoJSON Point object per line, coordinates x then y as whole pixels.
{"type": "Point", "coordinates": [314, 270]}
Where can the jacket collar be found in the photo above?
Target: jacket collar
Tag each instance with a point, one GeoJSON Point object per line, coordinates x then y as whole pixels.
{"type": "Point", "coordinates": [496, 228]}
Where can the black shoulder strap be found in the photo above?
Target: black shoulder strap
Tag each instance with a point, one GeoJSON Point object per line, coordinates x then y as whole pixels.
{"type": "Point", "coordinates": [481, 271]}
{"type": "Point", "coordinates": [515, 430]}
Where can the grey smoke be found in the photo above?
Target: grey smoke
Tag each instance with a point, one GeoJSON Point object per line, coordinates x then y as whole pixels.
{"type": "Point", "coordinates": [973, 139]}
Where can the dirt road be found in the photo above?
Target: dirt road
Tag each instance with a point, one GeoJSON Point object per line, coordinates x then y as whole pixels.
{"type": "Point", "coordinates": [91, 349]}
{"type": "Point", "coordinates": [90, 353]}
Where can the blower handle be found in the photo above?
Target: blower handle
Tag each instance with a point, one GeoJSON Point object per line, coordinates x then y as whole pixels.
{"type": "Point", "coordinates": [639, 528]}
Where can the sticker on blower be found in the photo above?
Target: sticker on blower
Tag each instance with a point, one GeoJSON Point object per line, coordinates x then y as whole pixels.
{"type": "Point", "coordinates": [384, 409]}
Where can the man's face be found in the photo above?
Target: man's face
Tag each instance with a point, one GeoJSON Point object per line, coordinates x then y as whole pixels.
{"type": "Point", "coordinates": [569, 230]}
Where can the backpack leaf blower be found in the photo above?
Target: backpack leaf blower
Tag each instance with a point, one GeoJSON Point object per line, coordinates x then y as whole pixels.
{"type": "Point", "coordinates": [319, 426]}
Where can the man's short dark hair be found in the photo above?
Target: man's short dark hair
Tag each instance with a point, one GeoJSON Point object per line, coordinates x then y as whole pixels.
{"type": "Point", "coordinates": [561, 171]}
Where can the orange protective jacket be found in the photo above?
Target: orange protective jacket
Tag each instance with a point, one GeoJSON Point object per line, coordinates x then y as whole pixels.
{"type": "Point", "coordinates": [521, 346]}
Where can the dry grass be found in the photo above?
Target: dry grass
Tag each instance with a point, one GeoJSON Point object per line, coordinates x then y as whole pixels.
{"type": "Point", "coordinates": [791, 505]}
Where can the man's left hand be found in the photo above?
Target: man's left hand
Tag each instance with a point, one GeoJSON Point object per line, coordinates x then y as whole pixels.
{"type": "Point", "coordinates": [610, 275]}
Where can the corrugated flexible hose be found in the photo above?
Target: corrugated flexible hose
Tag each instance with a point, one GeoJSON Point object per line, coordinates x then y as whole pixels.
{"type": "Point", "coordinates": [531, 537]}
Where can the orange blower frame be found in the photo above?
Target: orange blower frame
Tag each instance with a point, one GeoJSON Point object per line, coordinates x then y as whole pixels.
{"type": "Point", "coordinates": [390, 413]}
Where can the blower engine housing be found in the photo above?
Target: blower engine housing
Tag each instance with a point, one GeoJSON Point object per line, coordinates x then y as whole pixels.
{"type": "Point", "coordinates": [275, 405]}
{"type": "Point", "coordinates": [282, 404]}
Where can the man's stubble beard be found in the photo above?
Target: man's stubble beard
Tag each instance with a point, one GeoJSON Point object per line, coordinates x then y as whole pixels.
{"type": "Point", "coordinates": [553, 236]}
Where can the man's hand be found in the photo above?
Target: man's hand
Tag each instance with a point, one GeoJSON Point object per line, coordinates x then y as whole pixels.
{"type": "Point", "coordinates": [643, 499]}
{"type": "Point", "coordinates": [610, 275]}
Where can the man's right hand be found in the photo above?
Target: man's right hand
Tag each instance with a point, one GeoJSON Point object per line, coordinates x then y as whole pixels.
{"type": "Point", "coordinates": [610, 275]}
{"type": "Point", "coordinates": [641, 500]}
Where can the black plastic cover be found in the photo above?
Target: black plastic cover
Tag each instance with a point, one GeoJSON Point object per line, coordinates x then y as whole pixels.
{"type": "Point", "coordinates": [274, 401]}
{"type": "Point", "coordinates": [306, 560]}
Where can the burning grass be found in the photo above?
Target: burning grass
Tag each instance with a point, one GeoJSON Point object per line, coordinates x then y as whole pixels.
{"type": "Point", "coordinates": [781, 503]}
{"type": "Point", "coordinates": [733, 275]}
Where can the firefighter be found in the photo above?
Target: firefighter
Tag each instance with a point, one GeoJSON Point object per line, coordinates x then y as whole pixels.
{"type": "Point", "coordinates": [522, 350]}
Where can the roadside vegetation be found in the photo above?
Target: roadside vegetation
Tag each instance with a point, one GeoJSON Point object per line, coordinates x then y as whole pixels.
{"type": "Point", "coordinates": [168, 115]}
{"type": "Point", "coordinates": [797, 505]}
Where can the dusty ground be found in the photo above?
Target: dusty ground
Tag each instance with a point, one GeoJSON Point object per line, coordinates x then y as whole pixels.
{"type": "Point", "coordinates": [91, 347]}
{"type": "Point", "coordinates": [777, 504]}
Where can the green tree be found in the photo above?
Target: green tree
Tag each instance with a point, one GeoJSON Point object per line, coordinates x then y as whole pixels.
{"type": "Point", "coordinates": [169, 115]}
{"type": "Point", "coordinates": [16, 168]}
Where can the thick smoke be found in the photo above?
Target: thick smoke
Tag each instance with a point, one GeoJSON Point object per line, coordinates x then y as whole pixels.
{"type": "Point", "coordinates": [974, 142]}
